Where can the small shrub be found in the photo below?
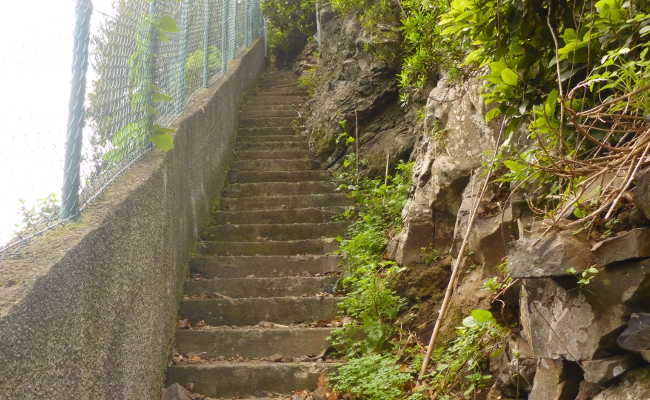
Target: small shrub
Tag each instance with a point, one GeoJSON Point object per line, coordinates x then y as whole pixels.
{"type": "Point", "coordinates": [39, 217]}
{"type": "Point", "coordinates": [372, 377]}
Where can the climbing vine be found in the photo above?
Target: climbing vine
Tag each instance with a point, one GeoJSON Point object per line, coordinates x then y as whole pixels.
{"type": "Point", "coordinates": [143, 92]}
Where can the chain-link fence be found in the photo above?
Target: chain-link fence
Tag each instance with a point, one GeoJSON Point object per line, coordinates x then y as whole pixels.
{"type": "Point", "coordinates": [133, 74]}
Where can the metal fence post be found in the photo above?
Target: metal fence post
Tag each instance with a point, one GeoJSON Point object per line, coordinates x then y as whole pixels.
{"type": "Point", "coordinates": [76, 112]}
{"type": "Point", "coordinates": [232, 29]}
{"type": "Point", "coordinates": [266, 37]}
{"type": "Point", "coordinates": [224, 35]}
{"type": "Point", "coordinates": [181, 89]}
{"type": "Point", "coordinates": [318, 28]}
{"type": "Point", "coordinates": [149, 66]}
{"type": "Point", "coordinates": [206, 38]}
{"type": "Point", "coordinates": [249, 34]}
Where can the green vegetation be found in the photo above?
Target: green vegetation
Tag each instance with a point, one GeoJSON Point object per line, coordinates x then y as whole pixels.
{"type": "Point", "coordinates": [371, 304]}
{"type": "Point", "coordinates": [37, 218]}
{"type": "Point", "coordinates": [290, 23]}
{"type": "Point", "coordinates": [585, 277]}
{"type": "Point", "coordinates": [460, 365]}
{"type": "Point", "coordinates": [575, 74]}
{"type": "Point", "coordinates": [383, 357]}
{"type": "Point", "coordinates": [194, 66]}
{"type": "Point", "coordinates": [143, 92]}
{"type": "Point", "coordinates": [373, 376]}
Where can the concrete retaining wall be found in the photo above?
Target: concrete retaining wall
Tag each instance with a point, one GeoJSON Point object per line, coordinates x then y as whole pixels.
{"type": "Point", "coordinates": [87, 312]}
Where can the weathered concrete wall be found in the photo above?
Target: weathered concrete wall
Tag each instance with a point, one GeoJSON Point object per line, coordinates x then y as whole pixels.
{"type": "Point", "coordinates": [88, 311]}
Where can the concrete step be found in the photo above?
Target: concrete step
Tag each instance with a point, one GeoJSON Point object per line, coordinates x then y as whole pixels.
{"type": "Point", "coordinates": [268, 140]}
{"type": "Point", "coordinates": [252, 311]}
{"type": "Point", "coordinates": [269, 248]}
{"type": "Point", "coordinates": [261, 287]}
{"type": "Point", "coordinates": [277, 188]}
{"type": "Point", "coordinates": [288, 216]}
{"type": "Point", "coordinates": [267, 122]}
{"type": "Point", "coordinates": [278, 176]}
{"type": "Point", "coordinates": [285, 202]}
{"type": "Point", "coordinates": [246, 131]}
{"type": "Point", "coordinates": [264, 100]}
{"type": "Point", "coordinates": [274, 165]}
{"type": "Point", "coordinates": [226, 379]}
{"type": "Point", "coordinates": [294, 145]}
{"type": "Point", "coordinates": [264, 232]}
{"type": "Point", "coordinates": [273, 154]}
{"type": "Point", "coordinates": [252, 342]}
{"type": "Point", "coordinates": [264, 113]}
{"type": "Point", "coordinates": [264, 266]}
{"type": "Point", "coordinates": [269, 107]}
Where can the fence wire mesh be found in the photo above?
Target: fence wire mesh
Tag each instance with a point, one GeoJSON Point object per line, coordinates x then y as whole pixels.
{"type": "Point", "coordinates": [147, 57]}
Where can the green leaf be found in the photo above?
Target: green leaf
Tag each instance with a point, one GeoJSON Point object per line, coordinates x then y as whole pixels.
{"type": "Point", "coordinates": [493, 113]}
{"type": "Point", "coordinates": [163, 141]}
{"type": "Point", "coordinates": [482, 316]}
{"type": "Point", "coordinates": [509, 76]}
{"type": "Point", "coordinates": [514, 166]}
{"type": "Point", "coordinates": [161, 97]}
{"type": "Point", "coordinates": [168, 24]}
{"type": "Point", "coordinates": [497, 67]}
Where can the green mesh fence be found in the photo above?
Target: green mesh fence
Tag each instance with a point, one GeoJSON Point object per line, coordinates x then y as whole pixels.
{"type": "Point", "coordinates": [145, 60]}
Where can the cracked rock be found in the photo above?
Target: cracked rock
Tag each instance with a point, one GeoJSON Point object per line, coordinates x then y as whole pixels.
{"type": "Point", "coordinates": [636, 336]}
{"type": "Point", "coordinates": [605, 369]}
{"type": "Point", "coordinates": [635, 385]}
{"type": "Point", "coordinates": [549, 256]}
{"type": "Point", "coordinates": [631, 244]}
{"type": "Point", "coordinates": [554, 380]}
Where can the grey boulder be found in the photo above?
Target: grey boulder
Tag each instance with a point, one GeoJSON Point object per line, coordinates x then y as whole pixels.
{"type": "Point", "coordinates": [552, 255]}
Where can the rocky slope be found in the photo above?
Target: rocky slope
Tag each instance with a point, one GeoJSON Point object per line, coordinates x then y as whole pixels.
{"type": "Point", "coordinates": [574, 335]}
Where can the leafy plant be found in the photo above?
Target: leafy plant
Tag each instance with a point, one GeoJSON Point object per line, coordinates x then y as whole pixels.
{"type": "Point", "coordinates": [290, 23]}
{"type": "Point", "coordinates": [370, 303]}
{"type": "Point", "coordinates": [373, 376]}
{"type": "Point", "coordinates": [39, 217]}
{"type": "Point", "coordinates": [460, 365]}
{"type": "Point", "coordinates": [194, 66]}
{"type": "Point", "coordinates": [585, 277]}
{"type": "Point", "coordinates": [501, 281]}
{"type": "Point", "coordinates": [308, 79]}
{"type": "Point", "coordinates": [144, 93]}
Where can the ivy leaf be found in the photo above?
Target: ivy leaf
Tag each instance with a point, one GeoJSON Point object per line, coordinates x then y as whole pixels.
{"type": "Point", "coordinates": [168, 24]}
{"type": "Point", "coordinates": [163, 141]}
{"type": "Point", "coordinates": [509, 76]}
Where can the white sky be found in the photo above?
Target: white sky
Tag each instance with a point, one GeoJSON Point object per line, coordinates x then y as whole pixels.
{"type": "Point", "coordinates": [35, 63]}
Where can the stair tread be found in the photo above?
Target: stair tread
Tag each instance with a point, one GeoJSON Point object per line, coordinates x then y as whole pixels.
{"type": "Point", "coordinates": [264, 277]}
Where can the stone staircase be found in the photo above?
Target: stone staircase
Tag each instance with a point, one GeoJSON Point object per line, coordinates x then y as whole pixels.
{"type": "Point", "coordinates": [254, 317]}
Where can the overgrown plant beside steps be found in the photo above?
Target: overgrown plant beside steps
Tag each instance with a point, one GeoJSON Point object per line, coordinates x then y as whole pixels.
{"type": "Point", "coordinates": [382, 357]}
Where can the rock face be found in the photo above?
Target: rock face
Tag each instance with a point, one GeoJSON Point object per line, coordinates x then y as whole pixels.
{"type": "Point", "coordinates": [559, 323]}
{"type": "Point", "coordinates": [456, 138]}
{"type": "Point", "coordinates": [582, 324]}
{"type": "Point", "coordinates": [636, 336]}
{"type": "Point", "coordinates": [631, 244]}
{"type": "Point", "coordinates": [353, 85]}
{"type": "Point", "coordinates": [551, 255]}
{"type": "Point", "coordinates": [634, 386]}
{"type": "Point", "coordinates": [606, 369]}
{"type": "Point", "coordinates": [642, 193]}
{"type": "Point", "coordinates": [514, 369]}
{"type": "Point", "coordinates": [553, 381]}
